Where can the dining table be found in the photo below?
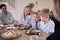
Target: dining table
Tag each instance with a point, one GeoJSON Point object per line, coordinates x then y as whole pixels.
{"type": "Point", "coordinates": [25, 36]}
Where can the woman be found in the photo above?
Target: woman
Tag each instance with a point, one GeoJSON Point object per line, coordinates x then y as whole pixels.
{"type": "Point", "coordinates": [56, 18]}
{"type": "Point", "coordinates": [24, 16]}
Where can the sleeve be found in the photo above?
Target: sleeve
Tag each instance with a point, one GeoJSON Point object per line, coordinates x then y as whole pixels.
{"type": "Point", "coordinates": [21, 19]}
{"type": "Point", "coordinates": [11, 19]}
{"type": "Point", "coordinates": [0, 20]}
{"type": "Point", "coordinates": [52, 27]}
{"type": "Point", "coordinates": [0, 17]}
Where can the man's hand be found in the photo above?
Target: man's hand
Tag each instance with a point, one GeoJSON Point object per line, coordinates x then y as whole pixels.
{"type": "Point", "coordinates": [2, 23]}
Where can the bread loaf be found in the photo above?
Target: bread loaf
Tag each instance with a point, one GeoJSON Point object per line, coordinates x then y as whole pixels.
{"type": "Point", "coordinates": [10, 34]}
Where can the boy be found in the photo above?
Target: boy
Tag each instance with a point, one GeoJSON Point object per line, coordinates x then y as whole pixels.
{"type": "Point", "coordinates": [46, 24]}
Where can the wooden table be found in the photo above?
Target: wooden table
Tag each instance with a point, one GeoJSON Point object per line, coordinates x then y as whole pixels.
{"type": "Point", "coordinates": [30, 37]}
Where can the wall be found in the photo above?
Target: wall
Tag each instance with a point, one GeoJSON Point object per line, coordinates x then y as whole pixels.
{"type": "Point", "coordinates": [20, 4]}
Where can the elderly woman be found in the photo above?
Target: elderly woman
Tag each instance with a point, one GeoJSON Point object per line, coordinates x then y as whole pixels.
{"type": "Point", "coordinates": [56, 18]}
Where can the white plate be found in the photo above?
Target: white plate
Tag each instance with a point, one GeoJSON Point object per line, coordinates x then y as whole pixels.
{"type": "Point", "coordinates": [1, 25]}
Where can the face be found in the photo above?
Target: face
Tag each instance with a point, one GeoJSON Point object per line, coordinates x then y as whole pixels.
{"type": "Point", "coordinates": [44, 18]}
{"type": "Point", "coordinates": [34, 17]}
{"type": "Point", "coordinates": [26, 11]}
{"type": "Point", "coordinates": [4, 9]}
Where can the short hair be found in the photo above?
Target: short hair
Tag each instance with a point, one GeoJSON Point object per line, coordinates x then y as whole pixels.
{"type": "Point", "coordinates": [45, 12]}
{"type": "Point", "coordinates": [2, 6]}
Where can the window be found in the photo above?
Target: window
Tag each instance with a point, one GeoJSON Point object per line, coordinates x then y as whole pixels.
{"type": "Point", "coordinates": [10, 2]}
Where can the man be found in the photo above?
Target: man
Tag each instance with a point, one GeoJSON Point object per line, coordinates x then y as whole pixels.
{"type": "Point", "coordinates": [5, 16]}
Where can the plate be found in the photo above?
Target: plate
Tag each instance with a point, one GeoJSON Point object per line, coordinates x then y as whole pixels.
{"type": "Point", "coordinates": [32, 32]}
{"type": "Point", "coordinates": [24, 27]}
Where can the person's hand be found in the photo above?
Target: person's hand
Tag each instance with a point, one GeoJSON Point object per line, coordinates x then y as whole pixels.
{"type": "Point", "coordinates": [2, 23]}
{"type": "Point", "coordinates": [28, 25]}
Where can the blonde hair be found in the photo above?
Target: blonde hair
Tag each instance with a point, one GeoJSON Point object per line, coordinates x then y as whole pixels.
{"type": "Point", "coordinates": [45, 12]}
{"type": "Point", "coordinates": [34, 13]}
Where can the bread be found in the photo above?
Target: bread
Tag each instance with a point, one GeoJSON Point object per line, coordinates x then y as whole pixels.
{"type": "Point", "coordinates": [10, 34]}
{"type": "Point", "coordinates": [32, 31]}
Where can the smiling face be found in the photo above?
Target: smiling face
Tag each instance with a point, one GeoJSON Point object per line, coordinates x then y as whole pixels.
{"type": "Point", "coordinates": [4, 9]}
{"type": "Point", "coordinates": [26, 11]}
{"type": "Point", "coordinates": [34, 17]}
{"type": "Point", "coordinates": [44, 17]}
{"type": "Point", "coordinates": [45, 14]}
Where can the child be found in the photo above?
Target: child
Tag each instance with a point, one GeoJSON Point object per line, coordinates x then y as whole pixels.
{"type": "Point", "coordinates": [34, 22]}
{"type": "Point", "coordinates": [47, 25]}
